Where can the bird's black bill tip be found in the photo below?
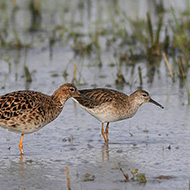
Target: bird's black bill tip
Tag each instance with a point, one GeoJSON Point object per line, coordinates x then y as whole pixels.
{"type": "Point", "coordinates": [156, 103]}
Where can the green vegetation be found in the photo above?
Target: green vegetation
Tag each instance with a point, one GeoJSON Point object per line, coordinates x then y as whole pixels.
{"type": "Point", "coordinates": [138, 177]}
{"type": "Point", "coordinates": [127, 40]}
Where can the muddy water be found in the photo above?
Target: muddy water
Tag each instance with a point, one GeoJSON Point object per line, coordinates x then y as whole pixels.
{"type": "Point", "coordinates": [74, 139]}
{"type": "Point", "coordinates": [154, 141]}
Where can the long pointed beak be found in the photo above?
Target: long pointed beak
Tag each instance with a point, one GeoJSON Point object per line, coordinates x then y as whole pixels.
{"type": "Point", "coordinates": [156, 103]}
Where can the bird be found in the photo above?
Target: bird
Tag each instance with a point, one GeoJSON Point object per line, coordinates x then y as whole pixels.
{"type": "Point", "coordinates": [27, 111]}
{"type": "Point", "coordinates": [108, 105]}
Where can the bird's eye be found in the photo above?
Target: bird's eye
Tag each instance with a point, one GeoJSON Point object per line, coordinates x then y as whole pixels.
{"type": "Point", "coordinates": [145, 95]}
{"type": "Point", "coordinates": [72, 89]}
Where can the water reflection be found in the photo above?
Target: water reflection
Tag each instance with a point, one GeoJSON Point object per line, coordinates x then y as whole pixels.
{"type": "Point", "coordinates": [60, 59]}
{"type": "Point", "coordinates": [21, 159]}
{"type": "Point", "coordinates": [105, 152]}
{"type": "Point", "coordinates": [36, 18]}
{"type": "Point", "coordinates": [21, 167]}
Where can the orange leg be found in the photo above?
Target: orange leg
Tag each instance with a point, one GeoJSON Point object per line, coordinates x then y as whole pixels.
{"type": "Point", "coordinates": [107, 127]}
{"type": "Point", "coordinates": [20, 144]}
{"type": "Point", "coordinates": [103, 133]}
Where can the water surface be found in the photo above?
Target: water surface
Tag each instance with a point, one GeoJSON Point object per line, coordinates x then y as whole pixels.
{"type": "Point", "coordinates": [154, 141]}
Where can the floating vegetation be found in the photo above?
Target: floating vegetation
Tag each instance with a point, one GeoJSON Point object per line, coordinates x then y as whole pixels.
{"type": "Point", "coordinates": [164, 177]}
{"type": "Point", "coordinates": [139, 177]}
{"type": "Point", "coordinates": [89, 177]}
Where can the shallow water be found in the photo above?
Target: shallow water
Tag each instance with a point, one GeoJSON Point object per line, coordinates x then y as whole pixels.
{"type": "Point", "coordinates": [49, 150]}
{"type": "Point", "coordinates": [154, 141]}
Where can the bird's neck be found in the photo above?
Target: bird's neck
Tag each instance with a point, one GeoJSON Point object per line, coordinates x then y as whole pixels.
{"type": "Point", "coordinates": [133, 103]}
{"type": "Point", "coordinates": [59, 97]}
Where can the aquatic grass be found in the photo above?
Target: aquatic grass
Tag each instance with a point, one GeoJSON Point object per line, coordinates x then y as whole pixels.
{"type": "Point", "coordinates": [159, 7]}
{"type": "Point", "coordinates": [18, 43]}
{"type": "Point", "coordinates": [36, 15]}
{"type": "Point", "coordinates": [81, 48]}
{"type": "Point", "coordinates": [4, 33]}
{"type": "Point", "coordinates": [2, 41]}
{"type": "Point", "coordinates": [27, 74]}
{"type": "Point", "coordinates": [126, 176]}
{"type": "Point", "coordinates": [14, 43]}
{"type": "Point", "coordinates": [138, 27]}
{"type": "Point", "coordinates": [97, 47]}
{"type": "Point", "coordinates": [181, 38]}
{"type": "Point", "coordinates": [78, 81]}
{"type": "Point", "coordinates": [142, 31]}
{"type": "Point", "coordinates": [7, 59]}
{"type": "Point", "coordinates": [150, 30]}
{"type": "Point", "coordinates": [166, 43]}
{"type": "Point", "coordinates": [3, 5]}
{"type": "Point", "coordinates": [132, 40]}
{"type": "Point", "coordinates": [56, 35]}
{"type": "Point", "coordinates": [15, 8]}
{"type": "Point", "coordinates": [68, 177]}
{"type": "Point", "coordinates": [74, 75]}
{"type": "Point", "coordinates": [183, 76]}
{"type": "Point", "coordinates": [182, 73]}
{"type": "Point", "coordinates": [5, 28]}
{"type": "Point", "coordinates": [188, 93]}
{"type": "Point", "coordinates": [120, 80]}
{"type": "Point", "coordinates": [65, 74]}
{"type": "Point", "coordinates": [168, 65]}
{"type": "Point", "coordinates": [140, 76]}
{"type": "Point", "coordinates": [154, 45]}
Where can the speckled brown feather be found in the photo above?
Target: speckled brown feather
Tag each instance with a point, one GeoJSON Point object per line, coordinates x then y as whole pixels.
{"type": "Point", "coordinates": [95, 97]}
{"type": "Point", "coordinates": [28, 111]}
{"type": "Point", "coordinates": [27, 108]}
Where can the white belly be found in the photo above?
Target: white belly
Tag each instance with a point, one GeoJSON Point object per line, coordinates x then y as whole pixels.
{"type": "Point", "coordinates": [105, 114]}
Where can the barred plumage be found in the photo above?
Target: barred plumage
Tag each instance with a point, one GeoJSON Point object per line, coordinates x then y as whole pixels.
{"type": "Point", "coordinates": [109, 105]}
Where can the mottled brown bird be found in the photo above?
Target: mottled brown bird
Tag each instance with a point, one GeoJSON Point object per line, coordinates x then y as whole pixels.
{"type": "Point", "coordinates": [109, 105]}
{"type": "Point", "coordinates": [28, 111]}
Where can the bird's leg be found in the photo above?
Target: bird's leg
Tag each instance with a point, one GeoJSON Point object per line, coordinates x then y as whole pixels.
{"type": "Point", "coordinates": [20, 144]}
{"type": "Point", "coordinates": [107, 127]}
{"type": "Point", "coordinates": [103, 133]}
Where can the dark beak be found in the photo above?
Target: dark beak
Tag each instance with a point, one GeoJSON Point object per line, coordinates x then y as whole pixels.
{"type": "Point", "coordinates": [156, 103]}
